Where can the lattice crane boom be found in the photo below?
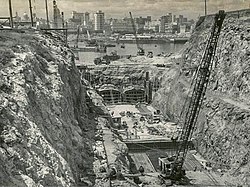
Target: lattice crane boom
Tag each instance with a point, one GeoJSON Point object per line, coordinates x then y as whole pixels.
{"type": "Point", "coordinates": [200, 81]}
{"type": "Point", "coordinates": [140, 49]}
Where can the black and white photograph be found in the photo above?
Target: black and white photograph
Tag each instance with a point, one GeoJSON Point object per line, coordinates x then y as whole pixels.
{"type": "Point", "coordinates": [124, 93]}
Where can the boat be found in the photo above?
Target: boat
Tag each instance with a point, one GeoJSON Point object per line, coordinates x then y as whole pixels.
{"type": "Point", "coordinates": [123, 46]}
{"type": "Point", "coordinates": [141, 39]}
{"type": "Point", "coordinates": [179, 40]}
{"type": "Point", "coordinates": [89, 48]}
{"type": "Point", "coordinates": [110, 45]}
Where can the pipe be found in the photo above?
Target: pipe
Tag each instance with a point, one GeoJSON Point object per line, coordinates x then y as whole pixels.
{"type": "Point", "coordinates": [11, 17]}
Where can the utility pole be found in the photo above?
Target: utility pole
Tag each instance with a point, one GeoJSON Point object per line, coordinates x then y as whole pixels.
{"type": "Point", "coordinates": [62, 20]}
{"type": "Point", "coordinates": [31, 14]}
{"type": "Point", "coordinates": [11, 17]}
{"type": "Point", "coordinates": [205, 7]}
{"type": "Point", "coordinates": [66, 33]}
{"type": "Point", "coordinates": [47, 13]}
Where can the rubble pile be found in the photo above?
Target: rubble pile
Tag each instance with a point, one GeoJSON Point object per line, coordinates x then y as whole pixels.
{"type": "Point", "coordinates": [110, 152]}
{"type": "Point", "coordinates": [45, 133]}
{"type": "Point", "coordinates": [125, 70]}
{"type": "Point", "coordinates": [222, 133]}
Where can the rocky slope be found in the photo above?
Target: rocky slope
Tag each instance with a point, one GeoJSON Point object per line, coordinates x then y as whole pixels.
{"type": "Point", "coordinates": [45, 125]}
{"type": "Point", "coordinates": [222, 133]}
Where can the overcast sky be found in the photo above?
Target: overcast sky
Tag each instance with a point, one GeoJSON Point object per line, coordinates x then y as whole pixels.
{"type": "Point", "coordinates": [120, 8]}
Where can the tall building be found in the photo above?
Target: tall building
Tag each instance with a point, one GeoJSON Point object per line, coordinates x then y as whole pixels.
{"type": "Point", "coordinates": [163, 21]}
{"type": "Point", "coordinates": [56, 15]}
{"type": "Point", "coordinates": [86, 19]}
{"type": "Point", "coordinates": [174, 18]}
{"type": "Point", "coordinates": [181, 19]}
{"type": "Point", "coordinates": [99, 20]}
{"type": "Point", "coordinates": [78, 16]}
{"type": "Point", "coordinates": [149, 18]}
{"type": "Point", "coordinates": [170, 18]}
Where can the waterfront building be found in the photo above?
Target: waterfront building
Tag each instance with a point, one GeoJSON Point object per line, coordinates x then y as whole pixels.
{"type": "Point", "coordinates": [168, 28]}
{"type": "Point", "coordinates": [162, 25]}
{"type": "Point", "coordinates": [78, 17]}
{"type": "Point", "coordinates": [124, 26]}
{"type": "Point", "coordinates": [181, 19]}
{"type": "Point", "coordinates": [182, 28]}
{"type": "Point", "coordinates": [175, 28]}
{"type": "Point", "coordinates": [86, 19]}
{"type": "Point", "coordinates": [167, 19]}
{"type": "Point", "coordinates": [99, 20]}
{"type": "Point", "coordinates": [174, 18]}
{"type": "Point", "coordinates": [153, 25]}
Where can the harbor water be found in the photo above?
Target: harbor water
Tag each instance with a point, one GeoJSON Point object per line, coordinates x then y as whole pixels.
{"type": "Point", "coordinates": [131, 49]}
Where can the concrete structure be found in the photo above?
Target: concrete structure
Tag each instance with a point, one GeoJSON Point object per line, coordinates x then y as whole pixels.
{"type": "Point", "coordinates": [99, 20]}
{"type": "Point", "coordinates": [134, 94]}
{"type": "Point", "coordinates": [110, 93]}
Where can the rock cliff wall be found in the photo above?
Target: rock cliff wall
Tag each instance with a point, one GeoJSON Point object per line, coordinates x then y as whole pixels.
{"type": "Point", "coordinates": [45, 126]}
{"type": "Point", "coordinates": [222, 133]}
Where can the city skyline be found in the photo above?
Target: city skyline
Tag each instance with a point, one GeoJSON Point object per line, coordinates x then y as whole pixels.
{"type": "Point", "coordinates": [120, 8]}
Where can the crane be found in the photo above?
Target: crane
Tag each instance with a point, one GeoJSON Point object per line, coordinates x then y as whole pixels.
{"type": "Point", "coordinates": [140, 51]}
{"type": "Point", "coordinates": [76, 44]}
{"type": "Point", "coordinates": [77, 36]}
{"type": "Point", "coordinates": [174, 170]}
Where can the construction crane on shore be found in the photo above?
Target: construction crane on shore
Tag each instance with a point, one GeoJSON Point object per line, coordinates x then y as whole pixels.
{"type": "Point", "coordinates": [173, 166]}
{"type": "Point", "coordinates": [77, 36]}
{"type": "Point", "coordinates": [140, 51]}
{"type": "Point", "coordinates": [76, 44]}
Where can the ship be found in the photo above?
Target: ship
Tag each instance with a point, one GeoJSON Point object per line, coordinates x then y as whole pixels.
{"type": "Point", "coordinates": [145, 39]}
{"type": "Point", "coordinates": [179, 40]}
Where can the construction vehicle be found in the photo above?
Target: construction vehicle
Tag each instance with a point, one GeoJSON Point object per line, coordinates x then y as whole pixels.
{"type": "Point", "coordinates": [99, 61]}
{"type": "Point", "coordinates": [172, 167]}
{"type": "Point", "coordinates": [150, 54]}
{"type": "Point", "coordinates": [140, 51]}
{"type": "Point", "coordinates": [106, 59]}
{"type": "Point", "coordinates": [113, 56]}
{"type": "Point", "coordinates": [90, 41]}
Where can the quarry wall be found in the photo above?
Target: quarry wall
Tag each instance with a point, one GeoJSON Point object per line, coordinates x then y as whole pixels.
{"type": "Point", "coordinates": [222, 133]}
{"type": "Point", "coordinates": [46, 129]}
